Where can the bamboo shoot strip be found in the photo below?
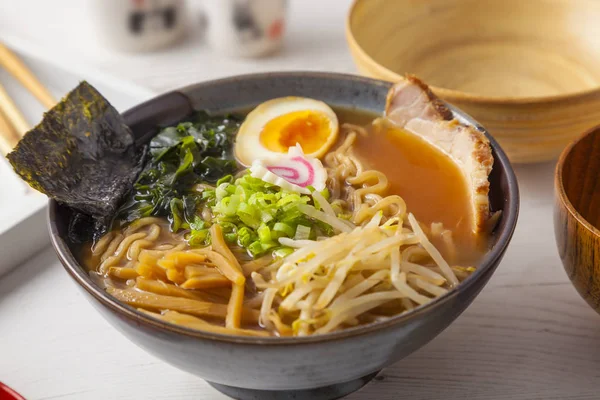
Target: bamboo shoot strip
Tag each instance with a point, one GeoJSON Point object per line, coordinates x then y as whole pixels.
{"type": "Point", "coordinates": [234, 308]}
{"type": "Point", "coordinates": [206, 282]}
{"type": "Point", "coordinates": [197, 323]}
{"type": "Point", "coordinates": [157, 302]}
{"type": "Point", "coordinates": [167, 289]}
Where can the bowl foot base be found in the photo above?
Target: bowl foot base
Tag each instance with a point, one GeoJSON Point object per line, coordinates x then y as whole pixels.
{"type": "Point", "coordinates": [331, 392]}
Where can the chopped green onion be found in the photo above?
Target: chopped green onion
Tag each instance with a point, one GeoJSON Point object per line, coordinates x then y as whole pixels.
{"type": "Point", "coordinates": [248, 215]}
{"type": "Point", "coordinates": [230, 237]}
{"type": "Point", "coordinates": [208, 194]}
{"type": "Point", "coordinates": [283, 252]}
{"type": "Point", "coordinates": [255, 249]}
{"type": "Point", "coordinates": [264, 233]}
{"type": "Point", "coordinates": [221, 191]}
{"type": "Point", "coordinates": [225, 179]}
{"type": "Point", "coordinates": [302, 232]}
{"type": "Point", "coordinates": [198, 237]}
{"type": "Point", "coordinates": [283, 229]}
{"type": "Point", "coordinates": [246, 236]}
{"type": "Point", "coordinates": [258, 213]}
{"type": "Point", "coordinates": [228, 206]}
{"type": "Point", "coordinates": [266, 216]}
{"type": "Point", "coordinates": [198, 224]}
{"type": "Point", "coordinates": [231, 189]}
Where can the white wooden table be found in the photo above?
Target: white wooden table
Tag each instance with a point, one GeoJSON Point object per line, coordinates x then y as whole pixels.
{"type": "Point", "coordinates": [527, 336]}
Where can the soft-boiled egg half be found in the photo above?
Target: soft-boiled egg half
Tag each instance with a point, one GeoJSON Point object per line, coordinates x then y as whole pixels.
{"type": "Point", "coordinates": [276, 125]}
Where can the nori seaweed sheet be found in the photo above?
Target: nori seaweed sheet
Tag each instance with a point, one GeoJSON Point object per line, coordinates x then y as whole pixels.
{"type": "Point", "coordinates": [83, 155]}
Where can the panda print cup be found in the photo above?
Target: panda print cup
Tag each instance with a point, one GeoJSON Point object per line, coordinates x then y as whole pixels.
{"type": "Point", "coordinates": [245, 28]}
{"type": "Point", "coordinates": [139, 25]}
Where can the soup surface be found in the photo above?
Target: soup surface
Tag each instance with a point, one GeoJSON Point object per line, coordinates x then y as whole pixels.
{"type": "Point", "coordinates": [432, 185]}
{"type": "Point", "coordinates": [240, 254]}
{"type": "Point", "coordinates": [430, 182]}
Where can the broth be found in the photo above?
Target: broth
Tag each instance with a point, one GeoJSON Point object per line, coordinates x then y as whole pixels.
{"type": "Point", "coordinates": [431, 184]}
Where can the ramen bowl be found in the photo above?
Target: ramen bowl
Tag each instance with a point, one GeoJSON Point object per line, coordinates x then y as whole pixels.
{"type": "Point", "coordinates": [527, 70]}
{"type": "Point", "coordinates": [577, 214]}
{"type": "Point", "coordinates": [313, 367]}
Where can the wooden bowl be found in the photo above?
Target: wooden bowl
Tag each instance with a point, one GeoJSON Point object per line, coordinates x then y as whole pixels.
{"type": "Point", "coordinates": [529, 71]}
{"type": "Point", "coordinates": [577, 214]}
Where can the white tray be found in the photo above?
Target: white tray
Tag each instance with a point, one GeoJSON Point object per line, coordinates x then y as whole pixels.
{"type": "Point", "coordinates": [23, 229]}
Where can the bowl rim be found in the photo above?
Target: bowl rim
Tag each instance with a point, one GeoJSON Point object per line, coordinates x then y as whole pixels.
{"type": "Point", "coordinates": [458, 95]}
{"type": "Point", "coordinates": [560, 186]}
{"type": "Point", "coordinates": [487, 265]}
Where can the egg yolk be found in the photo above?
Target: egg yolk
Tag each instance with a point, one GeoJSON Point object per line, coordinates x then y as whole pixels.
{"type": "Point", "coordinates": [308, 128]}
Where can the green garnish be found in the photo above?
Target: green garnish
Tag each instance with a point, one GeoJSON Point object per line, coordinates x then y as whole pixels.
{"type": "Point", "coordinates": [182, 156]}
{"type": "Point", "coordinates": [258, 214]}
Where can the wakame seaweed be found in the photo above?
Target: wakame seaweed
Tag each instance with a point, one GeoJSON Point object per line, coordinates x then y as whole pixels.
{"type": "Point", "coordinates": [195, 151]}
{"type": "Point", "coordinates": [83, 155]}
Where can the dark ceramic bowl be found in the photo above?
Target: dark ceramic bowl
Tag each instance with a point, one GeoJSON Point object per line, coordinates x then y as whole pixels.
{"type": "Point", "coordinates": [323, 366]}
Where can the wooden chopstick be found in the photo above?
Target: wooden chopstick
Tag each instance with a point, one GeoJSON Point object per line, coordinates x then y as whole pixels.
{"type": "Point", "coordinates": [8, 140]}
{"type": "Point", "coordinates": [19, 70]}
{"type": "Point", "coordinates": [12, 113]}
{"type": "Point", "coordinates": [8, 136]}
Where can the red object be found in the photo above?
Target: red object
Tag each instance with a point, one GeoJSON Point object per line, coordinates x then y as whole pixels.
{"type": "Point", "coordinates": [276, 29]}
{"type": "Point", "coordinates": [7, 393]}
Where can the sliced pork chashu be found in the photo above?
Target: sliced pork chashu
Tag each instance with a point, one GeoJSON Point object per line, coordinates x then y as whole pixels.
{"type": "Point", "coordinates": [412, 106]}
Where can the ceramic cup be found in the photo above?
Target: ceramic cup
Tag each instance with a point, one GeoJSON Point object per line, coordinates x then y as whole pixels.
{"type": "Point", "coordinates": [139, 25]}
{"type": "Point", "coordinates": [246, 28]}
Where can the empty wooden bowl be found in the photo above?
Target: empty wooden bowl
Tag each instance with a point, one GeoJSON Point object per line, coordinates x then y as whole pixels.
{"type": "Point", "coordinates": [577, 214]}
{"type": "Point", "coordinates": [529, 71]}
